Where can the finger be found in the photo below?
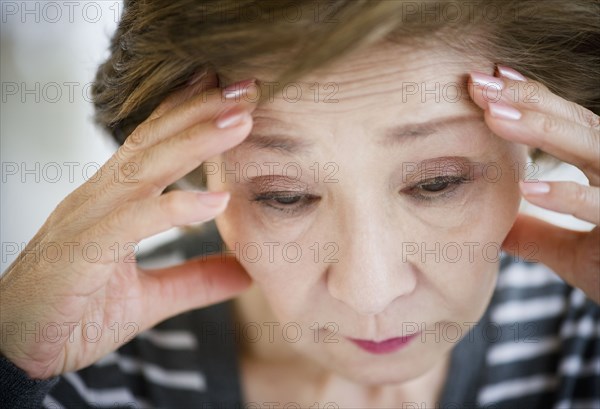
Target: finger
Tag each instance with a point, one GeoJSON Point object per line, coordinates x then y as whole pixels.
{"type": "Point", "coordinates": [161, 165]}
{"type": "Point", "coordinates": [197, 108]}
{"type": "Point", "coordinates": [164, 163]}
{"type": "Point", "coordinates": [538, 241]}
{"type": "Point", "coordinates": [199, 83]}
{"type": "Point", "coordinates": [526, 91]}
{"type": "Point", "coordinates": [568, 141]}
{"type": "Point", "coordinates": [126, 166]}
{"type": "Point", "coordinates": [571, 198]}
{"type": "Point", "coordinates": [516, 90]}
{"type": "Point", "coordinates": [483, 88]}
{"type": "Point", "coordinates": [178, 112]}
{"type": "Point", "coordinates": [197, 283]}
{"type": "Point", "coordinates": [134, 221]}
{"type": "Point", "coordinates": [167, 123]}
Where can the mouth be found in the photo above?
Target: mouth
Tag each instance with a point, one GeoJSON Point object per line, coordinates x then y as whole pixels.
{"type": "Point", "coordinates": [383, 347]}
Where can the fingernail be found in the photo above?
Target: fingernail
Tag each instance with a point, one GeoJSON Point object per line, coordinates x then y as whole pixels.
{"type": "Point", "coordinates": [534, 188]}
{"type": "Point", "coordinates": [232, 117]}
{"type": "Point", "coordinates": [486, 81]}
{"type": "Point", "coordinates": [510, 73]}
{"type": "Point", "coordinates": [213, 199]}
{"type": "Point", "coordinates": [238, 89]}
{"type": "Point", "coordinates": [503, 111]}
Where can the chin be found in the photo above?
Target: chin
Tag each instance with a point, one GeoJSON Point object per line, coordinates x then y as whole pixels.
{"type": "Point", "coordinates": [385, 373]}
{"type": "Point", "coordinates": [379, 369]}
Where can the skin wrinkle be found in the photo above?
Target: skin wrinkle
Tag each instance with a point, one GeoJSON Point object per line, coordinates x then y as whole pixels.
{"type": "Point", "coordinates": [396, 134]}
{"type": "Point", "coordinates": [373, 289]}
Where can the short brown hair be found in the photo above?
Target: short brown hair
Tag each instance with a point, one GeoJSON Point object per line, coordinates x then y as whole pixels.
{"type": "Point", "coordinates": [160, 44]}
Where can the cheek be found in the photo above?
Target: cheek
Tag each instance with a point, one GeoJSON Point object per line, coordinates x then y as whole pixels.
{"type": "Point", "coordinates": [466, 274]}
{"type": "Point", "coordinates": [489, 206]}
{"type": "Point", "coordinates": [283, 269]}
{"type": "Point", "coordinates": [495, 209]}
{"type": "Point", "coordinates": [277, 259]}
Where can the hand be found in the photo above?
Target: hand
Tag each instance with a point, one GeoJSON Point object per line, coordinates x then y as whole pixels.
{"type": "Point", "coordinates": [63, 308]}
{"type": "Point", "coordinates": [529, 113]}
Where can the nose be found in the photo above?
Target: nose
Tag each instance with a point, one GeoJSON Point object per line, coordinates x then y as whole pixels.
{"type": "Point", "coordinates": [370, 273]}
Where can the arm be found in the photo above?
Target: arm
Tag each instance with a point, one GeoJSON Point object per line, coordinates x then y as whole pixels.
{"type": "Point", "coordinates": [18, 390]}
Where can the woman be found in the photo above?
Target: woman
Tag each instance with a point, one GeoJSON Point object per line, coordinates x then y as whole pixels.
{"type": "Point", "coordinates": [365, 162]}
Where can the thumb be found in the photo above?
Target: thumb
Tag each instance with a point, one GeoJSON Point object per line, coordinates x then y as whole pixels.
{"type": "Point", "coordinates": [196, 283]}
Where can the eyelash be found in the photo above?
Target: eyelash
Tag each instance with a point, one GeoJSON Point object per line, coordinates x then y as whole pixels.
{"type": "Point", "coordinates": [451, 182]}
{"type": "Point", "coordinates": [267, 199]}
{"type": "Point", "coordinates": [270, 199]}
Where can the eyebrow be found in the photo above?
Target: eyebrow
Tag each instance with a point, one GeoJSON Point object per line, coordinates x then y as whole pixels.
{"type": "Point", "coordinates": [392, 136]}
{"type": "Point", "coordinates": [399, 134]}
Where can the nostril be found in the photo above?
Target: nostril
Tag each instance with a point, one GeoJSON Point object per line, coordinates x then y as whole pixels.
{"type": "Point", "coordinates": [373, 295]}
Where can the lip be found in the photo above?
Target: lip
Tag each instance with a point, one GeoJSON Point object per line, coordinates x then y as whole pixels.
{"type": "Point", "coordinates": [383, 347]}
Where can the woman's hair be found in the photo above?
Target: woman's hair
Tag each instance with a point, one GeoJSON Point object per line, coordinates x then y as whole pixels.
{"type": "Point", "coordinates": [160, 44]}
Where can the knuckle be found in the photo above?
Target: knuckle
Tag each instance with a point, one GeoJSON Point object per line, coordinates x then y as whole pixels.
{"type": "Point", "coordinates": [549, 124]}
{"type": "Point", "coordinates": [161, 108]}
{"type": "Point", "coordinates": [580, 194]}
{"type": "Point", "coordinates": [126, 150]}
{"type": "Point", "coordinates": [192, 142]}
{"type": "Point", "coordinates": [139, 176]}
{"type": "Point", "coordinates": [191, 134]}
{"type": "Point", "coordinates": [136, 138]}
{"type": "Point", "coordinates": [589, 118]}
{"type": "Point", "coordinates": [171, 205]}
{"type": "Point", "coordinates": [157, 113]}
{"type": "Point", "coordinates": [127, 169]}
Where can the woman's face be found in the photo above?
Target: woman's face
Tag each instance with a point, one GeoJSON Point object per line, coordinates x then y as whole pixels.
{"type": "Point", "coordinates": [373, 208]}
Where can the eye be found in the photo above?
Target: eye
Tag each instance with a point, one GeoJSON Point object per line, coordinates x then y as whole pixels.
{"type": "Point", "coordinates": [437, 187]}
{"type": "Point", "coordinates": [287, 202]}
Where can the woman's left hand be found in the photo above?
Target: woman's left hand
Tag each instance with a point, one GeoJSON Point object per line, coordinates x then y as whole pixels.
{"type": "Point", "coordinates": [528, 113]}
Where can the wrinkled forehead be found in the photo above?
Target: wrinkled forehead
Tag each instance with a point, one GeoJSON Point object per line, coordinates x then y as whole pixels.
{"type": "Point", "coordinates": [384, 85]}
{"type": "Point", "coordinates": [387, 94]}
{"type": "Point", "coordinates": [386, 74]}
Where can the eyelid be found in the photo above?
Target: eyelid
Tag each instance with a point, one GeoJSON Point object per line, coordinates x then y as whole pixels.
{"type": "Point", "coordinates": [278, 182]}
{"type": "Point", "coordinates": [436, 168]}
{"type": "Point", "coordinates": [292, 209]}
{"type": "Point", "coordinates": [442, 179]}
{"type": "Point", "coordinates": [269, 195]}
{"type": "Point", "coordinates": [416, 192]}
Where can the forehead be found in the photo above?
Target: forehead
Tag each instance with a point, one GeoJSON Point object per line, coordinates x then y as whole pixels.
{"type": "Point", "coordinates": [375, 82]}
{"type": "Point", "coordinates": [368, 92]}
{"type": "Point", "coordinates": [424, 74]}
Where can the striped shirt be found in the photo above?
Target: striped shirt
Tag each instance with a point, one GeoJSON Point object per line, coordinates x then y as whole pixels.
{"type": "Point", "coordinates": [536, 346]}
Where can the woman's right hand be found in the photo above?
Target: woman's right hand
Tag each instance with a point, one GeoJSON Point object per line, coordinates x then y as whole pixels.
{"type": "Point", "coordinates": [76, 293]}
